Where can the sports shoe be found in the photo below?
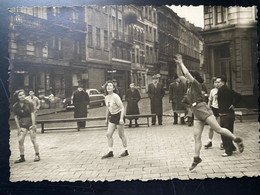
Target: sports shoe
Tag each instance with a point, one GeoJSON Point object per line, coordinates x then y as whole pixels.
{"type": "Point", "coordinates": [226, 154]}
{"type": "Point", "coordinates": [208, 145]}
{"type": "Point", "coordinates": [108, 155]}
{"type": "Point", "coordinates": [20, 160]}
{"type": "Point", "coordinates": [125, 153]}
{"type": "Point", "coordinates": [239, 143]}
{"type": "Point", "coordinates": [37, 158]}
{"type": "Point", "coordinates": [221, 147]}
{"type": "Point", "coordinates": [196, 161]}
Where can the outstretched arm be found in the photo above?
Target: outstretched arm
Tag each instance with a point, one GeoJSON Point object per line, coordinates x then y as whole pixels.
{"type": "Point", "coordinates": [183, 68]}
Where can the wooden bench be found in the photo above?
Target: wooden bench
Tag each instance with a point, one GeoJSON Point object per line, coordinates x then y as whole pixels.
{"type": "Point", "coordinates": [180, 113]}
{"type": "Point", "coordinates": [147, 116]}
{"type": "Point", "coordinates": [42, 122]}
{"type": "Point", "coordinates": [240, 112]}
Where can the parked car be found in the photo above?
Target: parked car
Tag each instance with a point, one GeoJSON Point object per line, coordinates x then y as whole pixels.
{"type": "Point", "coordinates": [96, 99]}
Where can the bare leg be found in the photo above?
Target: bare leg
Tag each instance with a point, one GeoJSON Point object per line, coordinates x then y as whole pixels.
{"type": "Point", "coordinates": [21, 139]}
{"type": "Point", "coordinates": [198, 128]}
{"type": "Point", "coordinates": [121, 133]}
{"type": "Point", "coordinates": [110, 132]}
{"type": "Point", "coordinates": [34, 142]}
{"type": "Point", "coordinates": [211, 120]}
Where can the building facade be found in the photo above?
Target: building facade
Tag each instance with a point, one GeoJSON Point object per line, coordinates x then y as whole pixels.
{"type": "Point", "coordinates": [230, 35]}
{"type": "Point", "coordinates": [53, 49]}
{"type": "Point", "coordinates": [177, 36]}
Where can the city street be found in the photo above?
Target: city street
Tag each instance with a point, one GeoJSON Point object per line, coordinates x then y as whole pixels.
{"type": "Point", "coordinates": [157, 152]}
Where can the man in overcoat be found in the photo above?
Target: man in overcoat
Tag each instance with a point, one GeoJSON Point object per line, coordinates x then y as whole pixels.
{"type": "Point", "coordinates": [80, 100]}
{"type": "Point", "coordinates": [177, 91]}
{"type": "Point", "coordinates": [156, 93]}
{"type": "Point", "coordinates": [132, 97]}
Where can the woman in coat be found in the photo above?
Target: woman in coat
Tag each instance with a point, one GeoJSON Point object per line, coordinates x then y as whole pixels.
{"type": "Point", "coordinates": [132, 98]}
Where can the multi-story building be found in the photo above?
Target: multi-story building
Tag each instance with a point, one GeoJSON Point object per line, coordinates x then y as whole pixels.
{"type": "Point", "coordinates": [230, 35]}
{"type": "Point", "coordinates": [176, 35]}
{"type": "Point", "coordinates": [151, 42]}
{"type": "Point", "coordinates": [136, 31]}
{"type": "Point", "coordinates": [53, 49]}
{"type": "Point", "coordinates": [44, 49]}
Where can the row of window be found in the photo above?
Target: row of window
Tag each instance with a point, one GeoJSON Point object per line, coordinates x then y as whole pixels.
{"type": "Point", "coordinates": [150, 14]}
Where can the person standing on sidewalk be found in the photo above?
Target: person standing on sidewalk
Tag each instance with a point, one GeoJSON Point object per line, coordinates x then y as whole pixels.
{"type": "Point", "coordinates": [25, 121]}
{"type": "Point", "coordinates": [132, 97]}
{"type": "Point", "coordinates": [213, 104]}
{"type": "Point", "coordinates": [202, 112]}
{"type": "Point", "coordinates": [176, 94]}
{"type": "Point", "coordinates": [156, 93]}
{"type": "Point", "coordinates": [115, 119]}
{"type": "Point", "coordinates": [80, 100]}
{"type": "Point", "coordinates": [34, 100]}
{"type": "Point", "coordinates": [227, 99]}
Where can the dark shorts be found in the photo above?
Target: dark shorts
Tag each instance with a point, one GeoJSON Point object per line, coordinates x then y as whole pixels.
{"type": "Point", "coordinates": [215, 111]}
{"type": "Point", "coordinates": [115, 118]}
{"type": "Point", "coordinates": [202, 111]}
{"type": "Point", "coordinates": [25, 122]}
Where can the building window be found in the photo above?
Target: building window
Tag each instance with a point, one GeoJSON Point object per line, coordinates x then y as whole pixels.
{"type": "Point", "coordinates": [154, 17]}
{"type": "Point", "coordinates": [45, 50]}
{"type": "Point", "coordinates": [119, 24]}
{"type": "Point", "coordinates": [154, 34]}
{"type": "Point", "coordinates": [137, 56]}
{"type": "Point", "coordinates": [98, 37]}
{"type": "Point", "coordinates": [30, 49]}
{"type": "Point", "coordinates": [90, 37]}
{"type": "Point", "coordinates": [220, 14]}
{"type": "Point", "coordinates": [105, 39]}
{"type": "Point", "coordinates": [133, 55]}
{"type": "Point", "coordinates": [75, 17]}
{"type": "Point", "coordinates": [113, 23]}
{"type": "Point", "coordinates": [59, 44]}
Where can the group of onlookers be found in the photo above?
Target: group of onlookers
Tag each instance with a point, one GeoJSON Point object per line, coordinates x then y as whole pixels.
{"type": "Point", "coordinates": [186, 92]}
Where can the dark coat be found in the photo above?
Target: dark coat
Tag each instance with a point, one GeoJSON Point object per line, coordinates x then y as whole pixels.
{"type": "Point", "coordinates": [80, 101]}
{"type": "Point", "coordinates": [132, 98]}
{"type": "Point", "coordinates": [156, 95]}
{"type": "Point", "coordinates": [226, 98]}
{"type": "Point", "coordinates": [176, 94]}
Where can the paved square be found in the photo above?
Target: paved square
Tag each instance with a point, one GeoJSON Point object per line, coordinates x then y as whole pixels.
{"type": "Point", "coordinates": [158, 152]}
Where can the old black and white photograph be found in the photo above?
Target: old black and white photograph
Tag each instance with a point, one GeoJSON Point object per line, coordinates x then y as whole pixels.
{"type": "Point", "coordinates": [106, 93]}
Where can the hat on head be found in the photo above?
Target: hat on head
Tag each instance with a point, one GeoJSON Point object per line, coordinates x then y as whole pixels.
{"type": "Point", "coordinates": [132, 84]}
{"type": "Point", "coordinates": [155, 77]}
{"type": "Point", "coordinates": [80, 85]}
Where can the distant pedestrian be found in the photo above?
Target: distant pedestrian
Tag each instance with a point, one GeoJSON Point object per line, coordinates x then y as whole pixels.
{"type": "Point", "coordinates": [132, 98]}
{"type": "Point", "coordinates": [34, 100]}
{"type": "Point", "coordinates": [25, 121]}
{"type": "Point", "coordinates": [156, 93]}
{"type": "Point", "coordinates": [227, 99]}
{"type": "Point", "coordinates": [176, 94]}
{"type": "Point", "coordinates": [213, 104]}
{"type": "Point", "coordinates": [202, 112]}
{"type": "Point", "coordinates": [118, 89]}
{"type": "Point", "coordinates": [80, 100]}
{"type": "Point", "coordinates": [115, 119]}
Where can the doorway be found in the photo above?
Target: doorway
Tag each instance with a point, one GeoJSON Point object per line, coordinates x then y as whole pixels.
{"type": "Point", "coordinates": [225, 69]}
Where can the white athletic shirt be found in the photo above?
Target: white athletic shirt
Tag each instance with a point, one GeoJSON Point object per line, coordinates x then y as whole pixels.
{"type": "Point", "coordinates": [213, 96]}
{"type": "Point", "coordinates": [113, 103]}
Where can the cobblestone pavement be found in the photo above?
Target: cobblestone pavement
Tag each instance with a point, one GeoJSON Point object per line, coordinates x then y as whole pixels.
{"type": "Point", "coordinates": [158, 152]}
